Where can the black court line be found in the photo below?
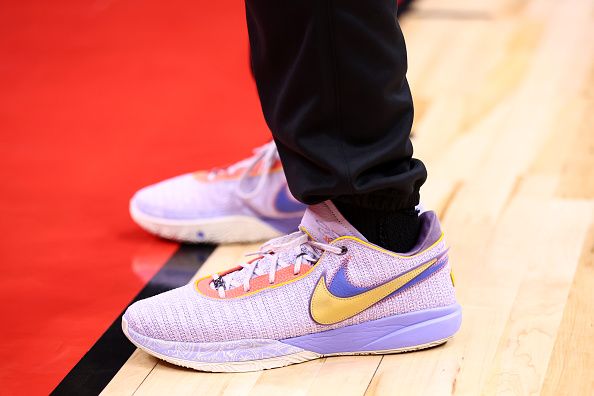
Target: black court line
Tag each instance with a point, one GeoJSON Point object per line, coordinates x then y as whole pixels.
{"type": "Point", "coordinates": [99, 365]}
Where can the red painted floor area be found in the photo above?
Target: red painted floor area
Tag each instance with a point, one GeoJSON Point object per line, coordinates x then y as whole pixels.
{"type": "Point", "coordinates": [97, 99]}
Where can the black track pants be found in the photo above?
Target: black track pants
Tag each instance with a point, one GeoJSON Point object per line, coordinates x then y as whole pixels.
{"type": "Point", "coordinates": [331, 75]}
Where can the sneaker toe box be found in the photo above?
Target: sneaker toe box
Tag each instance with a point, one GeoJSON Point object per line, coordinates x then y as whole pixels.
{"type": "Point", "coordinates": [170, 316]}
{"type": "Point", "coordinates": [179, 198]}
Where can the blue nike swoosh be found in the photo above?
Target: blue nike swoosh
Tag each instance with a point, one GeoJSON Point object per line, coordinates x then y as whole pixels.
{"type": "Point", "coordinates": [287, 204]}
{"type": "Point", "coordinates": [341, 287]}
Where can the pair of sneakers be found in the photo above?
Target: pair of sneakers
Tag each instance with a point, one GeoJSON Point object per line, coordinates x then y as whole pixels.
{"type": "Point", "coordinates": [321, 290]}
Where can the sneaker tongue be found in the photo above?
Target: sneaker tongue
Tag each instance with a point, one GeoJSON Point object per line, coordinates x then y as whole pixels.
{"type": "Point", "coordinates": [324, 223]}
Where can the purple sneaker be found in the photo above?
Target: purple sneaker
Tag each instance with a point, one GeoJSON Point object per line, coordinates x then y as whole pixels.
{"type": "Point", "coordinates": [321, 291]}
{"type": "Point", "coordinates": [245, 202]}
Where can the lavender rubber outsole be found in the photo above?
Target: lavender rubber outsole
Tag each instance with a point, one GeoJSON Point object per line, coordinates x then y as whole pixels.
{"type": "Point", "coordinates": [397, 333]}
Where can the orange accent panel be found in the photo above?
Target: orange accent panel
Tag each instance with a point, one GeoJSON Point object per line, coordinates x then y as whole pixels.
{"type": "Point", "coordinates": [257, 283]}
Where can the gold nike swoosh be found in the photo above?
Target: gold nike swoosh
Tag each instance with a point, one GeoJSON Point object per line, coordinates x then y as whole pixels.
{"type": "Point", "coordinates": [327, 308]}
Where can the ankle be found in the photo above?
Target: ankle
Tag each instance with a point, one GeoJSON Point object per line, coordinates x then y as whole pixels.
{"type": "Point", "coordinates": [394, 229]}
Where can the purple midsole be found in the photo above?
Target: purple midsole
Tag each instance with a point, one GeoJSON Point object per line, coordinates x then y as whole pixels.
{"type": "Point", "coordinates": [393, 332]}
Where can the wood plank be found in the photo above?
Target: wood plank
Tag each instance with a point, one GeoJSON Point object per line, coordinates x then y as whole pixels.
{"type": "Point", "coordinates": [173, 380]}
{"type": "Point", "coordinates": [131, 375]}
{"type": "Point", "coordinates": [549, 262]}
{"type": "Point", "coordinates": [345, 375]}
{"type": "Point", "coordinates": [572, 361]}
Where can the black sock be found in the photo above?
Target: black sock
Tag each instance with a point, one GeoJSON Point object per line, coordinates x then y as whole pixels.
{"type": "Point", "coordinates": [395, 230]}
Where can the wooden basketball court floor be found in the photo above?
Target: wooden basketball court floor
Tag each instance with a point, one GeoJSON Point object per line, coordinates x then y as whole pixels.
{"type": "Point", "coordinates": [504, 95]}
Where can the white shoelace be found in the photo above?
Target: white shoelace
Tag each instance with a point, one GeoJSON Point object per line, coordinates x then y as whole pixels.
{"type": "Point", "coordinates": [305, 249]}
{"type": "Point", "coordinates": [267, 154]}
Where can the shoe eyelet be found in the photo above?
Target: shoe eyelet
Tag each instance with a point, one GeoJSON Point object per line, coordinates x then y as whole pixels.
{"type": "Point", "coordinates": [343, 250]}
